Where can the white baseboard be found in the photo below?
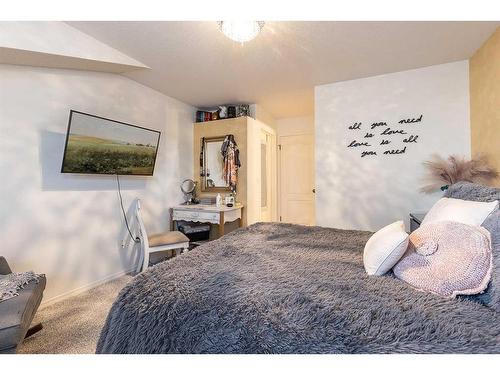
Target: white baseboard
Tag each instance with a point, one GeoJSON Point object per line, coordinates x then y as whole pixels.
{"type": "Point", "coordinates": [84, 288]}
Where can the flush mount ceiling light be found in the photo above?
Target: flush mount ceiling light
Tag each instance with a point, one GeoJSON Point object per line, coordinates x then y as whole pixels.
{"type": "Point", "coordinates": [241, 31]}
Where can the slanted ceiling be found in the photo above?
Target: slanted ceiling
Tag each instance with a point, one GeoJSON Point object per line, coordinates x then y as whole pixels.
{"type": "Point", "coordinates": [58, 45]}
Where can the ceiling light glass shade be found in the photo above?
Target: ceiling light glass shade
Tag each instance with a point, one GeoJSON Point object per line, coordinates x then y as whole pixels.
{"type": "Point", "coordinates": [241, 31]}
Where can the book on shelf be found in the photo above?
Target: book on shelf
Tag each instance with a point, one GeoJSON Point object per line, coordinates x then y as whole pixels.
{"type": "Point", "coordinates": [231, 111]}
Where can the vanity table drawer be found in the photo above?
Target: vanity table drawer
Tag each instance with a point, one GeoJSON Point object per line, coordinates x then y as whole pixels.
{"type": "Point", "coordinates": [211, 217]}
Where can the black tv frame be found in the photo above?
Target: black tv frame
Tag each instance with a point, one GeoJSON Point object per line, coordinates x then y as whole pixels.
{"type": "Point", "coordinates": [119, 122]}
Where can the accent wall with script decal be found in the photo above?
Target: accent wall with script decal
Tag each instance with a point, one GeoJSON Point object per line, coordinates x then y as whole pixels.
{"type": "Point", "coordinates": [372, 135]}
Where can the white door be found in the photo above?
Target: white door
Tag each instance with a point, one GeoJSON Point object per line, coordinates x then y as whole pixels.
{"type": "Point", "coordinates": [296, 179]}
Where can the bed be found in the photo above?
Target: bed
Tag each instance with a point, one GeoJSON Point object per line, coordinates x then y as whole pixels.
{"type": "Point", "coordinates": [282, 288]}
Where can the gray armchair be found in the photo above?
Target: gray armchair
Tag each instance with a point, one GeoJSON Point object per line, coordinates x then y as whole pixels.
{"type": "Point", "coordinates": [4, 267]}
{"type": "Point", "coordinates": [17, 313]}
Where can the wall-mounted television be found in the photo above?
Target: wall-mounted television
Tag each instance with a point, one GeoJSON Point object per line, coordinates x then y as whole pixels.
{"type": "Point", "coordinates": [98, 145]}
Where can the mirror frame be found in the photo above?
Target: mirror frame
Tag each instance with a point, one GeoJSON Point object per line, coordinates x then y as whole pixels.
{"type": "Point", "coordinates": [203, 179]}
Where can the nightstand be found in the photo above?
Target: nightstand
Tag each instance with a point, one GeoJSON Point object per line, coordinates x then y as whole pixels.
{"type": "Point", "coordinates": [416, 220]}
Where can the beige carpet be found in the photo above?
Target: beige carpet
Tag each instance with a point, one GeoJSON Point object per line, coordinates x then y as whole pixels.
{"type": "Point", "coordinates": [74, 325]}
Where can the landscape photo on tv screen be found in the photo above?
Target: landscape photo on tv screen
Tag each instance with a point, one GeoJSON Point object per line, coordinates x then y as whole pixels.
{"type": "Point", "coordinates": [96, 145]}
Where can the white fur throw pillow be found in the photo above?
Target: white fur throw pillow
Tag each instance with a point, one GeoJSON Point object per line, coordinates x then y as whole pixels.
{"type": "Point", "coordinates": [384, 248]}
{"type": "Point", "coordinates": [462, 211]}
{"type": "Point", "coordinates": [447, 258]}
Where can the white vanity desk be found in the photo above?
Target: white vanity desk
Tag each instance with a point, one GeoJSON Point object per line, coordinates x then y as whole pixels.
{"type": "Point", "coordinates": [207, 214]}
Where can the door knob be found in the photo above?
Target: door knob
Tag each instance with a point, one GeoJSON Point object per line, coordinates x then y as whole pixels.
{"type": "Point", "coordinates": [314, 191]}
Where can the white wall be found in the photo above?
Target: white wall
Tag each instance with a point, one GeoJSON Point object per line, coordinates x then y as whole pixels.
{"type": "Point", "coordinates": [370, 192]}
{"type": "Point", "coordinates": [70, 226]}
{"type": "Point", "coordinates": [259, 113]}
{"type": "Point", "coordinates": [295, 126]}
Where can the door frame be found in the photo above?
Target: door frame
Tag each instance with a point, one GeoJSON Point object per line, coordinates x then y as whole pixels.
{"type": "Point", "coordinates": [271, 189]}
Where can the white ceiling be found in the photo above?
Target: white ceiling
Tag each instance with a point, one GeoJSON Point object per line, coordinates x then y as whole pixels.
{"type": "Point", "coordinates": [195, 63]}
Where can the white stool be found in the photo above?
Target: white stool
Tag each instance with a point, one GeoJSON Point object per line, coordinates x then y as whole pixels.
{"type": "Point", "coordinates": [157, 242]}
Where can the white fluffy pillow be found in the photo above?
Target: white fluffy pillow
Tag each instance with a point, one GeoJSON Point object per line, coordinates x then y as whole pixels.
{"type": "Point", "coordinates": [385, 248]}
{"type": "Point", "coordinates": [466, 212]}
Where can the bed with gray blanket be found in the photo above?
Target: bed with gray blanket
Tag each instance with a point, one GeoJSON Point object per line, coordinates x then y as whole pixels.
{"type": "Point", "coordinates": [282, 288]}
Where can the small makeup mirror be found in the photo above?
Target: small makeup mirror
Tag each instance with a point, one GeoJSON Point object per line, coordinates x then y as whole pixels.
{"type": "Point", "coordinates": [188, 187]}
{"type": "Point", "coordinates": [213, 165]}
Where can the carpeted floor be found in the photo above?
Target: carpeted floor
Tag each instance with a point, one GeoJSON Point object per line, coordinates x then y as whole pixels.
{"type": "Point", "coordinates": [74, 325]}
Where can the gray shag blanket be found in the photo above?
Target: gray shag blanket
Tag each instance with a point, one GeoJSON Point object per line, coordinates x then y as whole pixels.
{"type": "Point", "coordinates": [283, 288]}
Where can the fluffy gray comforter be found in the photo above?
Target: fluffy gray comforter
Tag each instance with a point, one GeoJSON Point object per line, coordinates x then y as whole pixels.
{"type": "Point", "coordinates": [281, 288]}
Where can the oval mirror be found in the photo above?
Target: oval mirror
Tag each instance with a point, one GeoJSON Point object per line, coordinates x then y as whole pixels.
{"type": "Point", "coordinates": [188, 186]}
